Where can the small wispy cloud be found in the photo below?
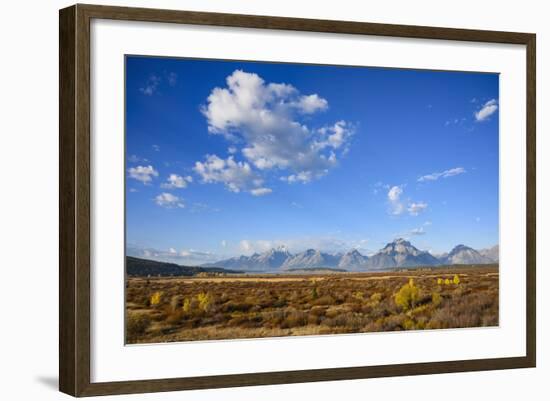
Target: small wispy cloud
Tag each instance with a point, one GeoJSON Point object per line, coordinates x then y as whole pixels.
{"type": "Point", "coordinates": [188, 256]}
{"type": "Point", "coordinates": [172, 78]}
{"type": "Point", "coordinates": [151, 85]}
{"type": "Point", "coordinates": [417, 231]}
{"type": "Point", "coordinates": [137, 159]}
{"type": "Point", "coordinates": [415, 208]}
{"type": "Point", "coordinates": [199, 207]}
{"type": "Point", "coordinates": [488, 109]}
{"type": "Point", "coordinates": [156, 148]}
{"type": "Point", "coordinates": [379, 186]}
{"type": "Point", "coordinates": [261, 191]}
{"type": "Point", "coordinates": [442, 174]}
{"type": "Point", "coordinates": [455, 121]}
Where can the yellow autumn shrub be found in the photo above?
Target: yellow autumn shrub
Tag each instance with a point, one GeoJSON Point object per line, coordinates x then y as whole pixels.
{"type": "Point", "coordinates": [407, 296]}
{"type": "Point", "coordinates": [408, 324]}
{"type": "Point", "coordinates": [205, 301]}
{"type": "Point", "coordinates": [376, 297]}
{"type": "Point", "coordinates": [186, 305]}
{"type": "Point", "coordinates": [156, 298]}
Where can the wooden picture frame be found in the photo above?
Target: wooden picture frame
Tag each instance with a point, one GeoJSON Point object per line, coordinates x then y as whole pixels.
{"type": "Point", "coordinates": [74, 199]}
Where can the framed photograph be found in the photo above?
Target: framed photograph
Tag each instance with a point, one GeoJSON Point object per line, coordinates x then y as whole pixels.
{"type": "Point", "coordinates": [250, 200]}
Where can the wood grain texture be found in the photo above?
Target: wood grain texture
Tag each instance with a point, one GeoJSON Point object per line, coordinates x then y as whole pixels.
{"type": "Point", "coordinates": [82, 193]}
{"type": "Point", "coordinates": [74, 199]}
{"type": "Point", "coordinates": [531, 178]}
{"type": "Point", "coordinates": [301, 24]}
{"type": "Point", "coordinates": [301, 376]}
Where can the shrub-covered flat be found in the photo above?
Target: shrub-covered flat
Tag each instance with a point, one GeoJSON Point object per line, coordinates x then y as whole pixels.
{"type": "Point", "coordinates": [206, 307]}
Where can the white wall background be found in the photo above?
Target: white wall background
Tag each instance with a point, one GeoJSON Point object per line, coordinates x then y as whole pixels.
{"type": "Point", "coordinates": [28, 201]}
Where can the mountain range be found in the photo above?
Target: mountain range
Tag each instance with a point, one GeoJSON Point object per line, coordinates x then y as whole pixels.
{"type": "Point", "coordinates": [399, 253]}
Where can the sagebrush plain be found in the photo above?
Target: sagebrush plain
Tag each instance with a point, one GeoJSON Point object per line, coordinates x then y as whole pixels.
{"type": "Point", "coordinates": [167, 309]}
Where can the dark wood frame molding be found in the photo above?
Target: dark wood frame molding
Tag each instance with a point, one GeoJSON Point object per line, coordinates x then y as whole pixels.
{"type": "Point", "coordinates": [74, 199]}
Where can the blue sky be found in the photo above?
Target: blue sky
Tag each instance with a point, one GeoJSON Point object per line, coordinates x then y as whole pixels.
{"type": "Point", "coordinates": [228, 157]}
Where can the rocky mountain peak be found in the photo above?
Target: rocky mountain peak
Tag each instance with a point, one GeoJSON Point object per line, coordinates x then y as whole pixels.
{"type": "Point", "coordinates": [399, 253]}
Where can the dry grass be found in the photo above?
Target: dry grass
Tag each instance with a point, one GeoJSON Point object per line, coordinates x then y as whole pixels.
{"type": "Point", "coordinates": [262, 306]}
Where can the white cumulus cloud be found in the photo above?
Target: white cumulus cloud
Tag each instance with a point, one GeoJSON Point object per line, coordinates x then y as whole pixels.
{"type": "Point", "coordinates": [398, 206]}
{"type": "Point", "coordinates": [236, 176]}
{"type": "Point", "coordinates": [144, 174]}
{"type": "Point", "coordinates": [311, 104]}
{"type": "Point", "coordinates": [486, 110]}
{"type": "Point", "coordinates": [176, 181]}
{"type": "Point", "coordinates": [169, 201]}
{"type": "Point", "coordinates": [395, 193]}
{"type": "Point", "coordinates": [265, 120]}
{"type": "Point", "coordinates": [335, 136]}
{"type": "Point", "coordinates": [394, 198]}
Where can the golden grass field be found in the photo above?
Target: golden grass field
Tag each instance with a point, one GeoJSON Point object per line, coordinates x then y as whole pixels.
{"type": "Point", "coordinates": [169, 309]}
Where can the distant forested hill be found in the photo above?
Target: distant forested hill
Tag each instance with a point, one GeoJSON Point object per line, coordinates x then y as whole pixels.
{"type": "Point", "coordinates": [137, 267]}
